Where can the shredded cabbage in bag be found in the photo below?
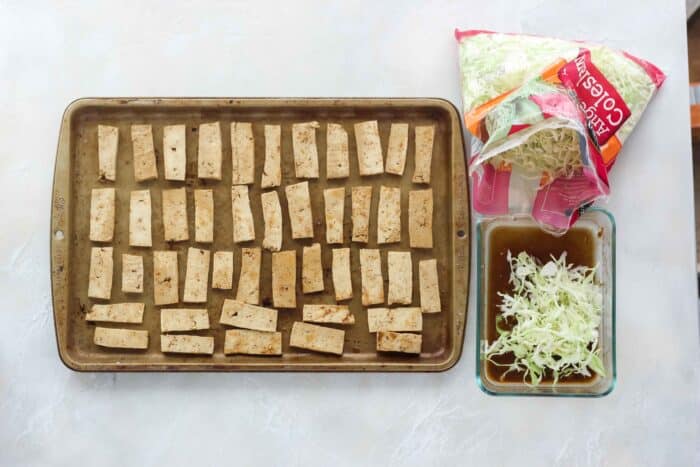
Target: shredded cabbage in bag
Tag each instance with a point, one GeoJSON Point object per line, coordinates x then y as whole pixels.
{"type": "Point", "coordinates": [556, 308]}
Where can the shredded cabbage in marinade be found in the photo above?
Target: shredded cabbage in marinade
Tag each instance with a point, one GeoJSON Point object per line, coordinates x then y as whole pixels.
{"type": "Point", "coordinates": [556, 308]}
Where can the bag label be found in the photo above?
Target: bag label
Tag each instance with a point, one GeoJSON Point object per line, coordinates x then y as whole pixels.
{"type": "Point", "coordinates": [598, 99]}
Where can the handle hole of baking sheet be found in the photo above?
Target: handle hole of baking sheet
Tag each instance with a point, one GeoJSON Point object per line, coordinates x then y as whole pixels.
{"type": "Point", "coordinates": [58, 235]}
{"type": "Point", "coordinates": [461, 233]}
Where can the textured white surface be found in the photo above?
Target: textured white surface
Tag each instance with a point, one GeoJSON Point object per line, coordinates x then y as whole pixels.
{"type": "Point", "coordinates": [52, 53]}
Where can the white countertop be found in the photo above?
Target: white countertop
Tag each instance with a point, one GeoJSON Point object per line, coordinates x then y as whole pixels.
{"type": "Point", "coordinates": [54, 52]}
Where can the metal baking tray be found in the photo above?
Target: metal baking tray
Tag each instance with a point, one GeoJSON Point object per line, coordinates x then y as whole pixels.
{"type": "Point", "coordinates": [76, 174]}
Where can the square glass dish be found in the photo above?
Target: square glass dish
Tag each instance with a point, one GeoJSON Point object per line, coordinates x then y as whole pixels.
{"type": "Point", "coordinates": [591, 241]}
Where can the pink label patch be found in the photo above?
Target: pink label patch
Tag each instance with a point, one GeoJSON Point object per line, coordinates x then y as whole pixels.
{"type": "Point", "coordinates": [599, 100]}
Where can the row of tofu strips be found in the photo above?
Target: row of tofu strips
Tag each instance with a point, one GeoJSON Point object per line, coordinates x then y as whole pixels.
{"type": "Point", "coordinates": [210, 151]}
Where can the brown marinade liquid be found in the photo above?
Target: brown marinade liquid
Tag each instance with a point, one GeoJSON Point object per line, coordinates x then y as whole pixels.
{"type": "Point", "coordinates": [579, 246]}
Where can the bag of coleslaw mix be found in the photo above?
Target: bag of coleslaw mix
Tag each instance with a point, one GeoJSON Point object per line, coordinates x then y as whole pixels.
{"type": "Point", "coordinates": [548, 117]}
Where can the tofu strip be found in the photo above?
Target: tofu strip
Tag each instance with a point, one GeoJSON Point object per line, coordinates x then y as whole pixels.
{"type": "Point", "coordinates": [243, 226]}
{"type": "Point", "coordinates": [165, 277]}
{"type": "Point", "coordinates": [101, 270]}
{"type": "Point", "coordinates": [185, 344]}
{"type": "Point", "coordinates": [183, 319]}
{"type": "Point", "coordinates": [249, 280]}
{"type": "Point", "coordinates": [317, 338]}
{"type": "Point", "coordinates": [242, 341]}
{"type": "Point", "coordinates": [305, 151]}
{"type": "Point", "coordinates": [312, 269]}
{"type": "Point", "coordinates": [371, 273]}
{"type": "Point", "coordinates": [334, 199]}
{"type": "Point", "coordinates": [196, 276]}
{"type": "Point", "coordinates": [243, 315]}
{"type": "Point", "coordinates": [388, 341]}
{"type": "Point", "coordinates": [369, 148]}
{"type": "Point", "coordinates": [144, 153]}
{"type": "Point", "coordinates": [175, 152]}
{"type": "Point", "coordinates": [204, 216]}
{"type": "Point", "coordinates": [361, 204]}
{"type": "Point", "coordinates": [222, 270]}
{"type": "Point", "coordinates": [338, 314]}
{"type": "Point", "coordinates": [429, 288]}
{"type": "Point", "coordinates": [337, 158]}
{"type": "Point", "coordinates": [107, 145]}
{"type": "Point", "coordinates": [398, 145]}
{"type": "Point", "coordinates": [424, 153]}
{"type": "Point", "coordinates": [420, 218]}
{"type": "Point", "coordinates": [175, 215]}
{"type": "Point", "coordinates": [389, 215]}
{"type": "Point", "coordinates": [272, 215]}
{"type": "Point", "coordinates": [140, 218]}
{"type": "Point", "coordinates": [131, 313]}
{"type": "Point", "coordinates": [102, 214]}
{"type": "Point", "coordinates": [342, 281]}
{"type": "Point", "coordinates": [284, 279]}
{"type": "Point", "coordinates": [396, 319]}
{"type": "Point", "coordinates": [299, 203]}
{"type": "Point", "coordinates": [242, 154]}
{"type": "Point", "coordinates": [121, 338]}
{"type": "Point", "coordinates": [132, 273]}
{"type": "Point", "coordinates": [400, 277]}
{"type": "Point", "coordinates": [272, 168]}
{"type": "Point", "coordinates": [209, 154]}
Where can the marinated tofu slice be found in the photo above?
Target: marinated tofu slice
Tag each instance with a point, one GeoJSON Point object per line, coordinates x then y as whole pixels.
{"type": "Point", "coordinates": [209, 152]}
{"type": "Point", "coordinates": [284, 279]}
{"type": "Point", "coordinates": [337, 154]}
{"type": "Point", "coordinates": [242, 154]}
{"type": "Point", "coordinates": [299, 203]}
{"type": "Point", "coordinates": [398, 145]}
{"type": "Point", "coordinates": [131, 313]}
{"type": "Point", "coordinates": [181, 343]}
{"type": "Point", "coordinates": [338, 314]}
{"type": "Point", "coordinates": [371, 273]}
{"type": "Point", "coordinates": [107, 145]}
{"type": "Point", "coordinates": [342, 279]}
{"type": "Point", "coordinates": [334, 200]}
{"type": "Point", "coordinates": [175, 215]}
{"type": "Point", "coordinates": [272, 215]}
{"type": "Point", "coordinates": [429, 287]}
{"type": "Point", "coordinates": [361, 204]}
{"type": "Point", "coordinates": [424, 153]}
{"type": "Point", "coordinates": [121, 338]}
{"type": "Point", "coordinates": [312, 269]}
{"type": "Point", "coordinates": [204, 216]}
{"type": "Point", "coordinates": [317, 338]}
{"type": "Point", "coordinates": [246, 342]}
{"type": "Point", "coordinates": [144, 153]}
{"type": "Point", "coordinates": [400, 277]}
{"type": "Point", "coordinates": [102, 214]}
{"type": "Point", "coordinates": [222, 270]}
{"type": "Point", "coordinates": [165, 277]}
{"type": "Point", "coordinates": [389, 215]}
{"type": "Point", "coordinates": [183, 319]}
{"type": "Point", "coordinates": [132, 273]}
{"type": "Point", "coordinates": [369, 148]}
{"type": "Point", "coordinates": [249, 280]}
{"type": "Point", "coordinates": [395, 319]}
{"type": "Point", "coordinates": [101, 270]}
{"type": "Point", "coordinates": [272, 167]}
{"type": "Point", "coordinates": [243, 315]}
{"type": "Point", "coordinates": [140, 218]}
{"type": "Point", "coordinates": [243, 226]}
{"type": "Point", "coordinates": [388, 341]}
{"type": "Point", "coordinates": [420, 218]}
{"type": "Point", "coordinates": [196, 276]}
{"type": "Point", "coordinates": [175, 152]}
{"type": "Point", "coordinates": [305, 151]}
